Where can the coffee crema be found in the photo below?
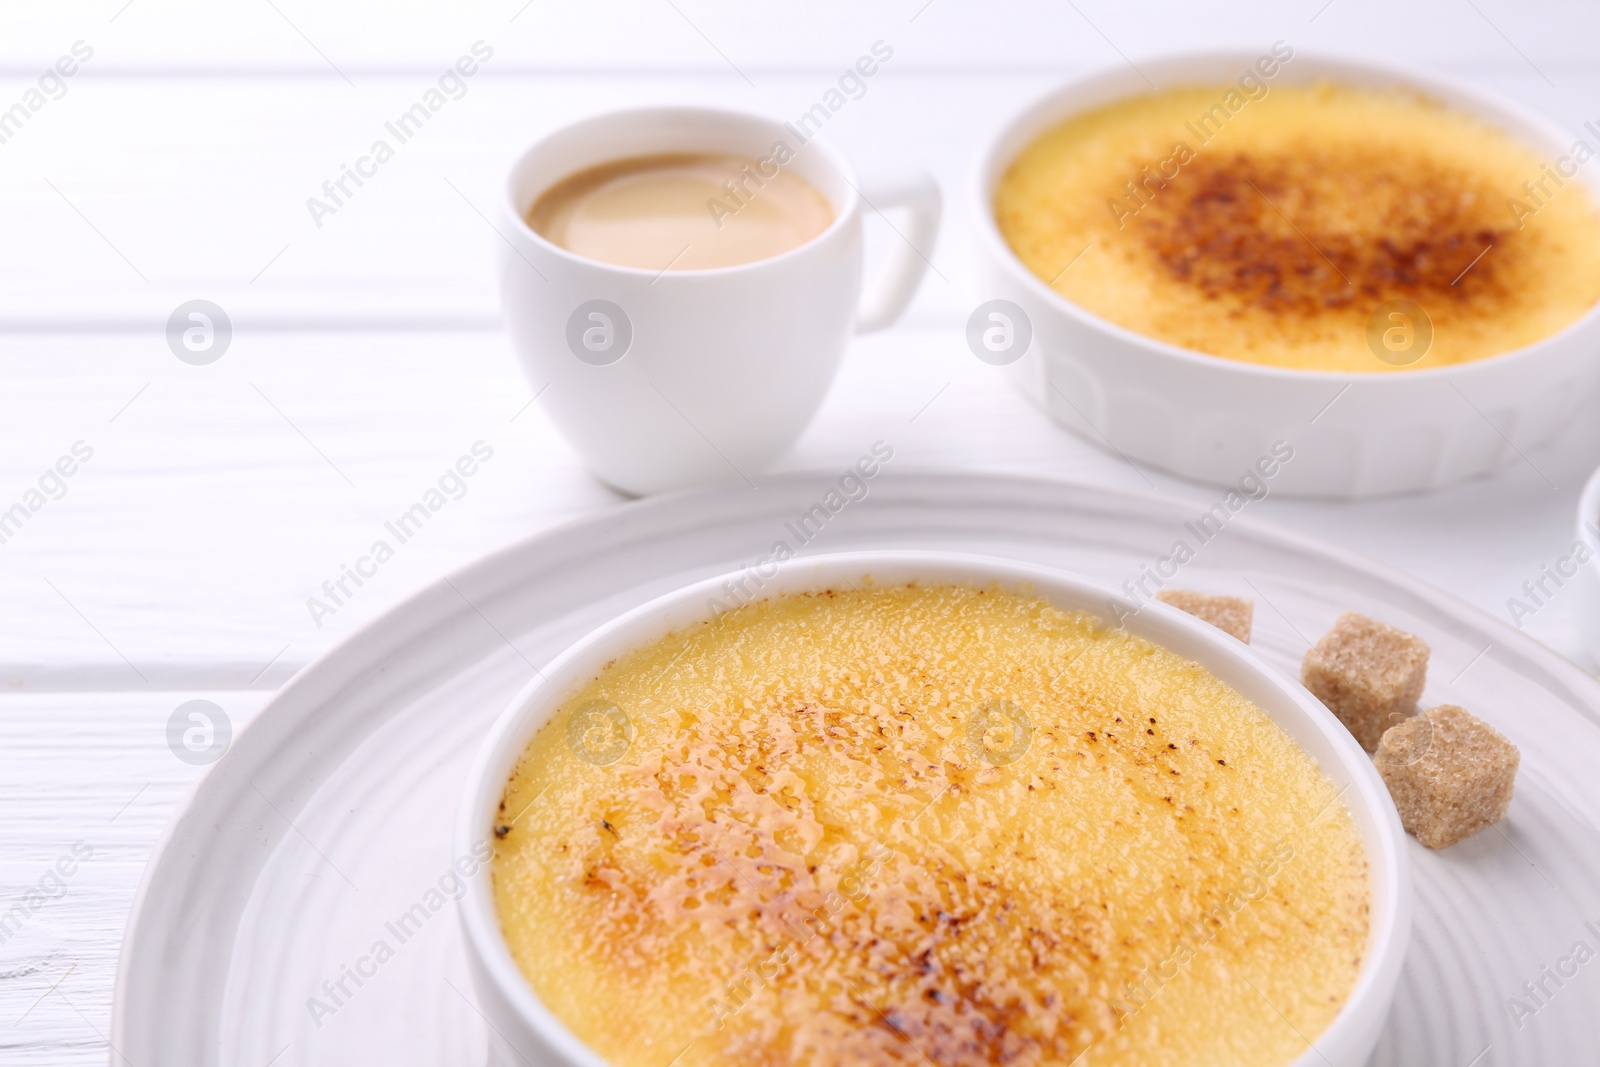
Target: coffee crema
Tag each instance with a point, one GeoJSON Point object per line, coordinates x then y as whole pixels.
{"type": "Point", "coordinates": [1271, 229]}
{"type": "Point", "coordinates": [681, 211]}
{"type": "Point", "coordinates": [916, 824]}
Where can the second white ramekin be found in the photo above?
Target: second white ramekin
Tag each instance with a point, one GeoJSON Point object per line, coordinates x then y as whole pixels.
{"type": "Point", "coordinates": [1211, 419]}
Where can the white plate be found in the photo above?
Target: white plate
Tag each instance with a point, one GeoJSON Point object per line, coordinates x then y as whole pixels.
{"type": "Point", "coordinates": [331, 815]}
{"type": "Point", "coordinates": [1589, 577]}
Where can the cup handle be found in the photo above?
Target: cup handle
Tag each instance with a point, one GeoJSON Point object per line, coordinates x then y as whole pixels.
{"type": "Point", "coordinates": [886, 298]}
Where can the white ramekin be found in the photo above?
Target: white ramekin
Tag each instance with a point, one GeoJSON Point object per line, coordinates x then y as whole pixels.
{"type": "Point", "coordinates": [524, 1031]}
{"type": "Point", "coordinates": [1211, 419]}
{"type": "Point", "coordinates": [1589, 576]}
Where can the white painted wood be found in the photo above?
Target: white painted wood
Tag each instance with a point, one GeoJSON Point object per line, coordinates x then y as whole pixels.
{"type": "Point", "coordinates": [132, 194]}
{"type": "Point", "coordinates": [724, 35]}
{"type": "Point", "coordinates": [191, 540]}
{"type": "Point", "coordinates": [91, 769]}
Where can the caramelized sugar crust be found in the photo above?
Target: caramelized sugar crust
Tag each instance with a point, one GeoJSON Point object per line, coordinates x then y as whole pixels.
{"type": "Point", "coordinates": [1273, 233]}
{"type": "Point", "coordinates": [1318, 232]}
{"type": "Point", "coordinates": [895, 825]}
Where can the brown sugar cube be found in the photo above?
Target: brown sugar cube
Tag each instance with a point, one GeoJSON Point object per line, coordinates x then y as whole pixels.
{"type": "Point", "coordinates": [1229, 614]}
{"type": "Point", "coordinates": [1449, 772]}
{"type": "Point", "coordinates": [1368, 674]}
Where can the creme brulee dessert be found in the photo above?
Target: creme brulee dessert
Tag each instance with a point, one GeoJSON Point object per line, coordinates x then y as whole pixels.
{"type": "Point", "coordinates": [926, 824]}
{"type": "Point", "coordinates": [1269, 229]}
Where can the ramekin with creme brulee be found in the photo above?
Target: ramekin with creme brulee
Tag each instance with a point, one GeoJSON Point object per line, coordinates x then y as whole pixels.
{"type": "Point", "coordinates": [1208, 265]}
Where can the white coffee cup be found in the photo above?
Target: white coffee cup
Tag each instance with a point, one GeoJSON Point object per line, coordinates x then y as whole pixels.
{"type": "Point", "coordinates": [665, 379]}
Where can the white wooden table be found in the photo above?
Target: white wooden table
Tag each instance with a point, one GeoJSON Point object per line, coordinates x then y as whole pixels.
{"type": "Point", "coordinates": [176, 163]}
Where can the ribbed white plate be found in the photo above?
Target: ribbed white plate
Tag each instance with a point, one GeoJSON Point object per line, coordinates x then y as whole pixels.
{"type": "Point", "coordinates": [330, 816]}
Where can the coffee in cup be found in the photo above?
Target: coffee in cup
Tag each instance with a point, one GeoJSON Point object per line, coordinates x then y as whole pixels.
{"type": "Point", "coordinates": [681, 211]}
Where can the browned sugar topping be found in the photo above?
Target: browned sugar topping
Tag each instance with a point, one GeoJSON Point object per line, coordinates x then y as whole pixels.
{"type": "Point", "coordinates": [828, 843]}
{"type": "Point", "coordinates": [1309, 232]}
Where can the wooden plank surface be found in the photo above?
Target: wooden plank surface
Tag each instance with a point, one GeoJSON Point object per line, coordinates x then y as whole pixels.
{"type": "Point", "coordinates": [629, 36]}
{"type": "Point", "coordinates": [87, 783]}
{"type": "Point", "coordinates": [220, 498]}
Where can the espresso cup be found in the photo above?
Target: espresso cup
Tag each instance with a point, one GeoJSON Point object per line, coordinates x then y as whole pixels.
{"type": "Point", "coordinates": [667, 379]}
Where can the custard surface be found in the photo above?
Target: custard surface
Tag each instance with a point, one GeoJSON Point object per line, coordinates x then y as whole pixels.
{"type": "Point", "coordinates": [1272, 232]}
{"type": "Point", "coordinates": [895, 825]}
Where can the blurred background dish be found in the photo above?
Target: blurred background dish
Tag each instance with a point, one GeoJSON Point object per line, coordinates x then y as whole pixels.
{"type": "Point", "coordinates": [1327, 226]}
{"type": "Point", "coordinates": [1210, 418]}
